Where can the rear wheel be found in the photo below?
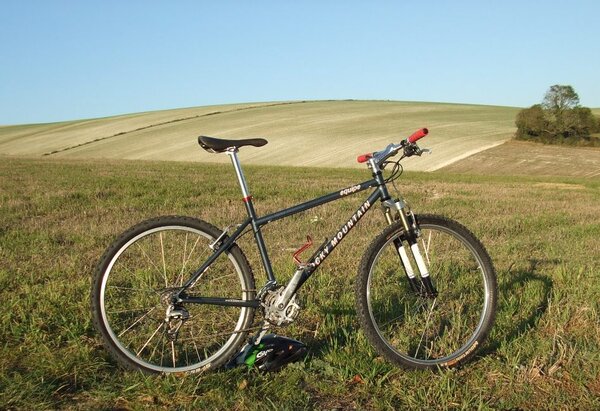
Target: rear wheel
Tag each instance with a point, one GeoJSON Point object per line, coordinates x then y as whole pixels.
{"type": "Point", "coordinates": [416, 330]}
{"type": "Point", "coordinates": [132, 289]}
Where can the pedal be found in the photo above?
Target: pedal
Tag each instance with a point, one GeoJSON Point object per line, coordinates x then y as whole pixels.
{"type": "Point", "coordinates": [308, 243]}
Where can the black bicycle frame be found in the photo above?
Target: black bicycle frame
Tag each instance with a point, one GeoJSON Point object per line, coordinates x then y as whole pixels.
{"type": "Point", "coordinates": [226, 242]}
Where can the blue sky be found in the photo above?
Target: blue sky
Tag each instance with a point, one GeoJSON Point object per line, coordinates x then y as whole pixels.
{"type": "Point", "coordinates": [62, 60]}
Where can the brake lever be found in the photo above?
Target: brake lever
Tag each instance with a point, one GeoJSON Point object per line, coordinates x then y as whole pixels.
{"type": "Point", "coordinates": [411, 150]}
{"type": "Point", "coordinates": [414, 150]}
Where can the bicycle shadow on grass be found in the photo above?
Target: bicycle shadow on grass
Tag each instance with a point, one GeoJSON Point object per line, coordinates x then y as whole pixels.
{"type": "Point", "coordinates": [523, 296]}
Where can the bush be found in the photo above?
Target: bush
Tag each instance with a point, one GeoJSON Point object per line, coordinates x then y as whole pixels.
{"type": "Point", "coordinates": [531, 122]}
{"type": "Point", "coordinates": [558, 120]}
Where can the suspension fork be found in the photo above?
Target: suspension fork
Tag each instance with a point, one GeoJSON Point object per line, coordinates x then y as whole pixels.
{"type": "Point", "coordinates": [423, 285]}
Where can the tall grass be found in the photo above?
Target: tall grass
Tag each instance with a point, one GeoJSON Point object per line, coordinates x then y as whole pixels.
{"type": "Point", "coordinates": [57, 217]}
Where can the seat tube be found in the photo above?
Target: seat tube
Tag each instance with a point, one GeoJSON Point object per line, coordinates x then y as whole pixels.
{"type": "Point", "coordinates": [232, 153]}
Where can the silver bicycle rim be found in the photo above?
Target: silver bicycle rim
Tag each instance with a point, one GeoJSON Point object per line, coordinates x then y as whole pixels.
{"type": "Point", "coordinates": [469, 344]}
{"type": "Point", "coordinates": [132, 356]}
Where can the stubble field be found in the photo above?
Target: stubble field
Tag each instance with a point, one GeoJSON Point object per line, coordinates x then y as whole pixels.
{"type": "Point", "coordinates": [526, 158]}
{"type": "Point", "coordinates": [311, 133]}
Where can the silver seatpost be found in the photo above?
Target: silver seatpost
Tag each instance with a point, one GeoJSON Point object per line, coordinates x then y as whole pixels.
{"type": "Point", "coordinates": [232, 153]}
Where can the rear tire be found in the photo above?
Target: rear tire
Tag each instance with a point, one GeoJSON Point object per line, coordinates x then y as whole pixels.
{"type": "Point", "coordinates": [130, 296]}
{"type": "Point", "coordinates": [416, 331]}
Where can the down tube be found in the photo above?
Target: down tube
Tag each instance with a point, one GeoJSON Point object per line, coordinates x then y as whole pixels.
{"type": "Point", "coordinates": [322, 253]}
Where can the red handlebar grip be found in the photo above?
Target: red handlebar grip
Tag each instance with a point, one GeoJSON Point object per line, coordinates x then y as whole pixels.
{"type": "Point", "coordinates": [417, 135]}
{"type": "Point", "coordinates": [364, 157]}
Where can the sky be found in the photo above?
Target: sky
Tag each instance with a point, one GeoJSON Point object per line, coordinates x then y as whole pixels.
{"type": "Point", "coordinates": [66, 60]}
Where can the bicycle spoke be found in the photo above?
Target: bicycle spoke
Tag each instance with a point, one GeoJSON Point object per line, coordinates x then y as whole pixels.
{"type": "Point", "coordinates": [162, 252]}
{"type": "Point", "coordinates": [147, 257]}
{"type": "Point", "coordinates": [114, 287]}
{"type": "Point", "coordinates": [186, 260]}
{"type": "Point", "coordinates": [221, 334]}
{"type": "Point", "coordinates": [195, 345]}
{"type": "Point", "coordinates": [132, 275]}
{"type": "Point", "coordinates": [129, 310]}
{"type": "Point", "coordinates": [426, 248]}
{"type": "Point", "coordinates": [149, 339]}
{"type": "Point", "coordinates": [426, 328]}
{"type": "Point", "coordinates": [183, 261]}
{"type": "Point", "coordinates": [162, 353]}
{"type": "Point", "coordinates": [136, 321]}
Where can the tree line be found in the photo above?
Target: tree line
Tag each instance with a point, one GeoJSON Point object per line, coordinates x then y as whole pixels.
{"type": "Point", "coordinates": [559, 119]}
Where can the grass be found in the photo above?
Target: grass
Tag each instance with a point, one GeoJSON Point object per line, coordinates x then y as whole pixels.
{"type": "Point", "coordinates": [59, 215]}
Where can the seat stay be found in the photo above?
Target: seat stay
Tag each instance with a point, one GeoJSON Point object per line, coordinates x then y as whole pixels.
{"type": "Point", "coordinates": [223, 247]}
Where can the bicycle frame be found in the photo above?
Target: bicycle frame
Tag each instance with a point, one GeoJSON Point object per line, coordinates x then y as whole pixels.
{"type": "Point", "coordinates": [224, 242]}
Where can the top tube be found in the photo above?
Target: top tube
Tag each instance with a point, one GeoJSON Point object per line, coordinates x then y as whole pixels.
{"type": "Point", "coordinates": [316, 202]}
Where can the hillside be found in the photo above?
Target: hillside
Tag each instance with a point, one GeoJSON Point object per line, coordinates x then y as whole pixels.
{"type": "Point", "coordinates": [321, 133]}
{"type": "Point", "coordinates": [527, 158]}
{"type": "Point", "coordinates": [39, 139]}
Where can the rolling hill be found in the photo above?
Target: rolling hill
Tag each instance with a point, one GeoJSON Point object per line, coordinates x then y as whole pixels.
{"type": "Point", "coordinates": [527, 158]}
{"type": "Point", "coordinates": [316, 133]}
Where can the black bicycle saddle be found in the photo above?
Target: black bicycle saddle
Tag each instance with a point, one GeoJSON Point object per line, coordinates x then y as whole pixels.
{"type": "Point", "coordinates": [218, 145]}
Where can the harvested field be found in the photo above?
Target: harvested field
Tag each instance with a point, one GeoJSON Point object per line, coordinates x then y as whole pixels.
{"type": "Point", "coordinates": [525, 158]}
{"type": "Point", "coordinates": [318, 133]}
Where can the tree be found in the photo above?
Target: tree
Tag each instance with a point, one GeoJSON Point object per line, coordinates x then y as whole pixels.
{"type": "Point", "coordinates": [558, 101]}
{"type": "Point", "coordinates": [558, 119]}
{"type": "Point", "coordinates": [560, 98]}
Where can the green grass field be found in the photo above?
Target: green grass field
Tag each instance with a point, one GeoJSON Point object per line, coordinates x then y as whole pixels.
{"type": "Point", "coordinates": [59, 214]}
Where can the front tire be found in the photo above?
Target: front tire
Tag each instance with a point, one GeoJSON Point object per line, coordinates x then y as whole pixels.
{"type": "Point", "coordinates": [416, 330]}
{"type": "Point", "coordinates": [131, 293]}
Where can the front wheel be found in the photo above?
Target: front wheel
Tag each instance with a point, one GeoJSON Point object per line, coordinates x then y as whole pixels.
{"type": "Point", "coordinates": [132, 292]}
{"type": "Point", "coordinates": [416, 329]}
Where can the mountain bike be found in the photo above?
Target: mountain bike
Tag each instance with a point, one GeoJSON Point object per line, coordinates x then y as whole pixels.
{"type": "Point", "coordinates": [177, 294]}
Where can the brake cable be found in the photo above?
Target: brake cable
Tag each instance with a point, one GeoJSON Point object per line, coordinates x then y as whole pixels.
{"type": "Point", "coordinates": [397, 171]}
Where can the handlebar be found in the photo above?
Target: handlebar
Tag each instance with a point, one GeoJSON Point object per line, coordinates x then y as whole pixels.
{"type": "Point", "coordinates": [363, 158]}
{"type": "Point", "coordinates": [392, 149]}
{"type": "Point", "coordinates": [417, 135]}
